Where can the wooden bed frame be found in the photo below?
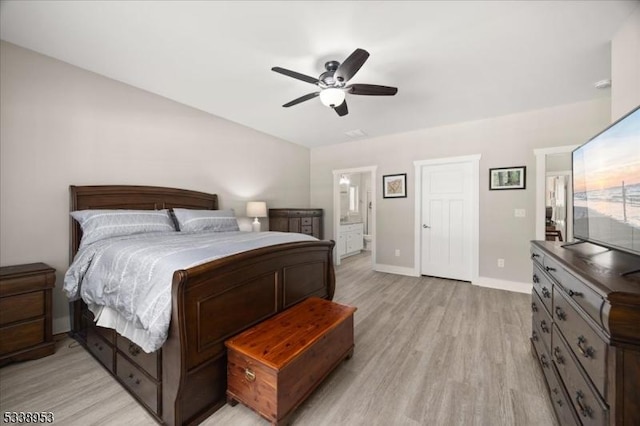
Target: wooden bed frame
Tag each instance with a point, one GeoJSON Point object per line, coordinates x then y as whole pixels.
{"type": "Point", "coordinates": [185, 381]}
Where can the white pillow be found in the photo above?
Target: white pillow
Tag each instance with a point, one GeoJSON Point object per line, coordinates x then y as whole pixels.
{"type": "Point", "coordinates": [101, 224]}
{"type": "Point", "coordinates": [206, 220]}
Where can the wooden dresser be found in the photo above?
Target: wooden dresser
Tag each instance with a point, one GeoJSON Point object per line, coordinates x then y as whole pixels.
{"type": "Point", "coordinates": [586, 331]}
{"type": "Point", "coordinates": [303, 221]}
{"type": "Point", "coordinates": [25, 312]}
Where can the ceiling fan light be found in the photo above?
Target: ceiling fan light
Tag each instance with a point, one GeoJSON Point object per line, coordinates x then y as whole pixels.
{"type": "Point", "coordinates": [332, 97]}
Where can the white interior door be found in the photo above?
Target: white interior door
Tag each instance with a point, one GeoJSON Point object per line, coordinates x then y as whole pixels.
{"type": "Point", "coordinates": [446, 229]}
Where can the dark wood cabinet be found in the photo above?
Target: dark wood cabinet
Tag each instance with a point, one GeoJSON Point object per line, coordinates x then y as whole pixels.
{"type": "Point", "coordinates": [586, 331]}
{"type": "Point", "coordinates": [303, 221]}
{"type": "Point", "coordinates": [25, 312]}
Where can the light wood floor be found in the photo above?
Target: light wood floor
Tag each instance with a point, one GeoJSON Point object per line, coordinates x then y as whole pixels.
{"type": "Point", "coordinates": [428, 352]}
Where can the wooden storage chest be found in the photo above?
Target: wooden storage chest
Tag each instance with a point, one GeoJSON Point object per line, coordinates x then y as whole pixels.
{"type": "Point", "coordinates": [274, 366]}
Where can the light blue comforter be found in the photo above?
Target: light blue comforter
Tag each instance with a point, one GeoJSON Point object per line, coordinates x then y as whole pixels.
{"type": "Point", "coordinates": [133, 274]}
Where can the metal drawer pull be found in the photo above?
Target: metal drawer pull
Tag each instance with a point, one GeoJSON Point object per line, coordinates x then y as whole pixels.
{"type": "Point", "coordinates": [549, 269]}
{"type": "Point", "coordinates": [543, 326]}
{"type": "Point", "coordinates": [534, 255]}
{"type": "Point", "coordinates": [536, 279]}
{"type": "Point", "coordinates": [250, 375]}
{"type": "Point", "coordinates": [559, 402]}
{"type": "Point", "coordinates": [534, 308]}
{"type": "Point", "coordinates": [586, 352]}
{"type": "Point", "coordinates": [137, 381]}
{"type": "Point", "coordinates": [534, 336]}
{"type": "Point", "coordinates": [546, 293]}
{"type": "Point", "coordinates": [559, 357]}
{"type": "Point", "coordinates": [575, 293]}
{"type": "Point", "coordinates": [560, 313]}
{"type": "Point", "coordinates": [543, 361]}
{"type": "Point", "coordinates": [134, 350]}
{"type": "Point", "coordinates": [585, 410]}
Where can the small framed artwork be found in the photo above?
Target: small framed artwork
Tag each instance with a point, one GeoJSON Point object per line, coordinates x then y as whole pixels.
{"type": "Point", "coordinates": [394, 186]}
{"type": "Point", "coordinates": [508, 178]}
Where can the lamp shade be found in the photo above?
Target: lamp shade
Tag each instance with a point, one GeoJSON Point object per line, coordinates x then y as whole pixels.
{"type": "Point", "coordinates": [332, 97]}
{"type": "Point", "coordinates": [256, 209]}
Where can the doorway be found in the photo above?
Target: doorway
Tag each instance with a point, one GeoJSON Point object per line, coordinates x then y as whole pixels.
{"type": "Point", "coordinates": [546, 162]}
{"type": "Point", "coordinates": [447, 217]}
{"type": "Point", "coordinates": [354, 200]}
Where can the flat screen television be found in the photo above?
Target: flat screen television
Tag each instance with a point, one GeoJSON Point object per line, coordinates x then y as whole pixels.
{"type": "Point", "coordinates": [606, 186]}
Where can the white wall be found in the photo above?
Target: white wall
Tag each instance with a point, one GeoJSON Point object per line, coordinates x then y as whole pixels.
{"type": "Point", "coordinates": [61, 125]}
{"type": "Point", "coordinates": [625, 67]}
{"type": "Point", "coordinates": [502, 142]}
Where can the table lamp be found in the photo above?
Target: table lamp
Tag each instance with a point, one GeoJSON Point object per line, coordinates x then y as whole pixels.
{"type": "Point", "coordinates": [256, 209]}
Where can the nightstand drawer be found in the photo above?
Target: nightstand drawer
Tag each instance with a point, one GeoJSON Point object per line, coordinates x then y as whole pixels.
{"type": "Point", "coordinates": [21, 307]}
{"type": "Point", "coordinates": [21, 336]}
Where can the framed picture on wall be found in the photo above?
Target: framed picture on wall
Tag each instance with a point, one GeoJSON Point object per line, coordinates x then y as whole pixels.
{"type": "Point", "coordinates": [508, 178]}
{"type": "Point", "coordinates": [394, 186]}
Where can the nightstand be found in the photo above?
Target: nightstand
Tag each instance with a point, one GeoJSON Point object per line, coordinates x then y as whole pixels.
{"type": "Point", "coordinates": [25, 312]}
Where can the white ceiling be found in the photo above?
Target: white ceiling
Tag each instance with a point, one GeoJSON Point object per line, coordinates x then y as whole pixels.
{"type": "Point", "coordinates": [452, 61]}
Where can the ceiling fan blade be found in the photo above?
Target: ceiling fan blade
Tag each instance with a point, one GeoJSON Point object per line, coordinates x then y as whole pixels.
{"type": "Point", "coordinates": [371, 90]}
{"type": "Point", "coordinates": [342, 109]}
{"type": "Point", "coordinates": [296, 75]}
{"type": "Point", "coordinates": [301, 99]}
{"type": "Point", "coordinates": [351, 65]}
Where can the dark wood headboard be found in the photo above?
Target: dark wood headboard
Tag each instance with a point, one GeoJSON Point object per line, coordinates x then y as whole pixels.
{"type": "Point", "coordinates": [133, 197]}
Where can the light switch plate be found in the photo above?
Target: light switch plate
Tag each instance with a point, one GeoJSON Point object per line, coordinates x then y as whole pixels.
{"type": "Point", "coordinates": [520, 212]}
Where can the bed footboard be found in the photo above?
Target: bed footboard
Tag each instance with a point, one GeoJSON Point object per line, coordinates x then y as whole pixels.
{"type": "Point", "coordinates": [219, 299]}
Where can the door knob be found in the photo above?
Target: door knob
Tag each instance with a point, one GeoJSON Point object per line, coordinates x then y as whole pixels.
{"type": "Point", "coordinates": [426, 226]}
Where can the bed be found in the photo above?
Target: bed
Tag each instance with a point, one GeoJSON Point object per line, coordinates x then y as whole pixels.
{"type": "Point", "coordinates": [185, 380]}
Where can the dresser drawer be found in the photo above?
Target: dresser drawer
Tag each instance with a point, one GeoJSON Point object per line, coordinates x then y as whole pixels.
{"type": "Point", "coordinates": [541, 319]}
{"type": "Point", "coordinates": [586, 298]}
{"type": "Point", "coordinates": [543, 286]}
{"type": "Point", "coordinates": [588, 347]}
{"type": "Point", "coordinates": [21, 307]}
{"type": "Point", "coordinates": [141, 386]}
{"type": "Point", "coordinates": [21, 336]}
{"type": "Point", "coordinates": [147, 361]}
{"type": "Point", "coordinates": [541, 351]}
{"type": "Point", "coordinates": [585, 400]}
{"type": "Point", "coordinates": [100, 349]}
{"type": "Point", "coordinates": [537, 255]}
{"type": "Point", "coordinates": [560, 400]}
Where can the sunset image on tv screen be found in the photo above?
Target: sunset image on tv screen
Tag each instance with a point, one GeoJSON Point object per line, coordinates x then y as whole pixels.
{"type": "Point", "coordinates": [607, 186]}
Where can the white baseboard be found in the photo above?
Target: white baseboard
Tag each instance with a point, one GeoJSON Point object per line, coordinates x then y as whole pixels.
{"type": "Point", "coordinates": [398, 270]}
{"type": "Point", "coordinates": [503, 284]}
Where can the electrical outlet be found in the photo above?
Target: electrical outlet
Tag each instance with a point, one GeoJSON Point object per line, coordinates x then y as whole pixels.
{"type": "Point", "coordinates": [500, 263]}
{"type": "Point", "coordinates": [397, 252]}
{"type": "Point", "coordinates": [519, 212]}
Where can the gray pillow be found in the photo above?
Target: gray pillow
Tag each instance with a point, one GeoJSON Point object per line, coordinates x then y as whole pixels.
{"type": "Point", "coordinates": [101, 224]}
{"type": "Point", "coordinates": [206, 220]}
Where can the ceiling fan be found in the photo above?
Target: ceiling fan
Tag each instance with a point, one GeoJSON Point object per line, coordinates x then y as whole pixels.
{"type": "Point", "coordinates": [333, 82]}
